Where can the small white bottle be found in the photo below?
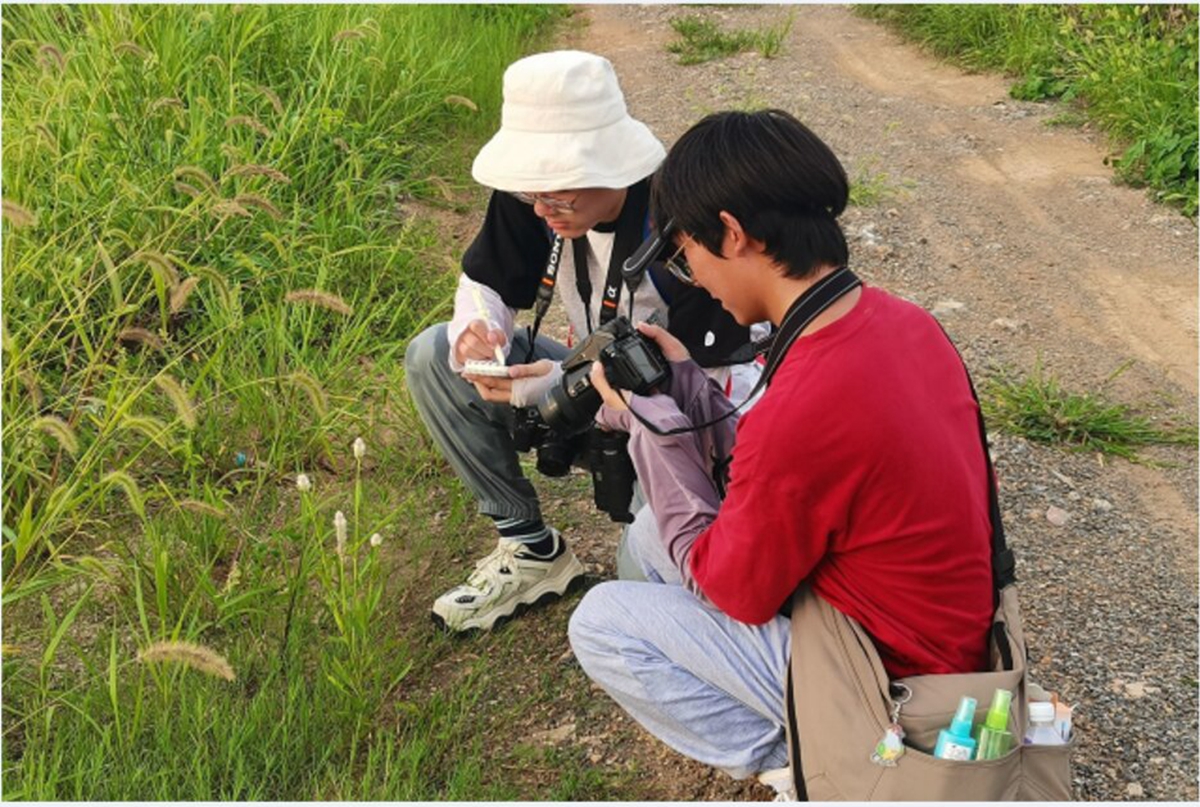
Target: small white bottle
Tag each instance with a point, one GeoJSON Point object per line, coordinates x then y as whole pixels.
{"type": "Point", "coordinates": [1040, 730]}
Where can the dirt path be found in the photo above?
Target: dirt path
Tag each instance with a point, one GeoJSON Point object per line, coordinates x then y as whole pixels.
{"type": "Point", "coordinates": [1012, 230]}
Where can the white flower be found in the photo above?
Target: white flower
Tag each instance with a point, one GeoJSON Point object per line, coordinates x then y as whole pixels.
{"type": "Point", "coordinates": [339, 530]}
{"type": "Point", "coordinates": [303, 483]}
{"type": "Point", "coordinates": [376, 539]}
{"type": "Point", "coordinates": [360, 448]}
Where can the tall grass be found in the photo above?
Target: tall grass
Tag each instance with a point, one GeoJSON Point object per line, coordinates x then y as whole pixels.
{"type": "Point", "coordinates": [1132, 68]}
{"type": "Point", "coordinates": [209, 277]}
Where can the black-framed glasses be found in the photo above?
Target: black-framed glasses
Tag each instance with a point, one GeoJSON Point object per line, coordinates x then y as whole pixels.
{"type": "Point", "coordinates": [677, 264]}
{"type": "Point", "coordinates": [552, 202]}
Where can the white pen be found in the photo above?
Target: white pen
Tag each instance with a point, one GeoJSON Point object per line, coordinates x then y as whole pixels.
{"type": "Point", "coordinates": [483, 313]}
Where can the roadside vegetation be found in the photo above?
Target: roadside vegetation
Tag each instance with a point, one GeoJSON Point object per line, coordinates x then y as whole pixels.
{"type": "Point", "coordinates": [1131, 69]}
{"type": "Point", "coordinates": [702, 40]}
{"type": "Point", "coordinates": [211, 269]}
{"type": "Point", "coordinates": [1036, 406]}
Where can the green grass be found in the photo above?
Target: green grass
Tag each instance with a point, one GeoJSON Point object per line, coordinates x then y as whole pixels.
{"type": "Point", "coordinates": [209, 286]}
{"type": "Point", "coordinates": [1131, 69]}
{"type": "Point", "coordinates": [702, 40]}
{"type": "Point", "coordinates": [870, 186]}
{"type": "Point", "coordinates": [1036, 406]}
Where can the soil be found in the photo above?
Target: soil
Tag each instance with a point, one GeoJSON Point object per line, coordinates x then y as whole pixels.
{"type": "Point", "coordinates": [1013, 231]}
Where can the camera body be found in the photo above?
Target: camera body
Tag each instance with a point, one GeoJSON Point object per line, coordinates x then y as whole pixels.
{"type": "Point", "coordinates": [561, 426]}
{"type": "Point", "coordinates": [631, 362]}
{"type": "Point", "coordinates": [555, 452]}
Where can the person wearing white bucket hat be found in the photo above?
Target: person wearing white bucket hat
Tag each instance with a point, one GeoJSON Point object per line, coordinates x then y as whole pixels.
{"type": "Point", "coordinates": [570, 172]}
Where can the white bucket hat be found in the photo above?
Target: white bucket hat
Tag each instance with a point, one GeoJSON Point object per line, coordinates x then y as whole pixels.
{"type": "Point", "coordinates": [564, 126]}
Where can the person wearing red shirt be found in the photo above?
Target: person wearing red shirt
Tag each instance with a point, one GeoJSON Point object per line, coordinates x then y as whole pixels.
{"type": "Point", "coordinates": [859, 471]}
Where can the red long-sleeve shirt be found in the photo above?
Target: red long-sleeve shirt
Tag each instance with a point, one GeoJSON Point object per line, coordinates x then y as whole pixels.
{"type": "Point", "coordinates": [861, 470]}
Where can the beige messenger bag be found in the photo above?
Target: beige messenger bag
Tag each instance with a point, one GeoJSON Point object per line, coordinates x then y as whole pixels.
{"type": "Point", "coordinates": [843, 703]}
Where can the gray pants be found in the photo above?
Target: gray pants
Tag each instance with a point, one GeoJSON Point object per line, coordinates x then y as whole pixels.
{"type": "Point", "coordinates": [473, 434]}
{"type": "Point", "coordinates": [705, 684]}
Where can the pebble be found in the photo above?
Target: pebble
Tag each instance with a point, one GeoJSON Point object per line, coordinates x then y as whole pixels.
{"type": "Point", "coordinates": [1057, 516]}
{"type": "Point", "coordinates": [942, 307]}
{"type": "Point", "coordinates": [1103, 505]}
{"type": "Point", "coordinates": [1007, 324]}
{"type": "Point", "coordinates": [1134, 791]}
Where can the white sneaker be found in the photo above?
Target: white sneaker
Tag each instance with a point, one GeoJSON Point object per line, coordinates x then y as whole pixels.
{"type": "Point", "coordinates": [780, 780]}
{"type": "Point", "coordinates": [504, 584]}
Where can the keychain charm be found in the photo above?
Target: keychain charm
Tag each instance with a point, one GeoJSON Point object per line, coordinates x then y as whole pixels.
{"type": "Point", "coordinates": [891, 747]}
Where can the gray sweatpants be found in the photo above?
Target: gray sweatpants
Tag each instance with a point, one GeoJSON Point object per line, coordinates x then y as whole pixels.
{"type": "Point", "coordinates": [707, 685]}
{"type": "Point", "coordinates": [473, 434]}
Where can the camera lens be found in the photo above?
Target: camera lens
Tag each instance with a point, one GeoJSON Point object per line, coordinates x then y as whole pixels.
{"type": "Point", "coordinates": [570, 407]}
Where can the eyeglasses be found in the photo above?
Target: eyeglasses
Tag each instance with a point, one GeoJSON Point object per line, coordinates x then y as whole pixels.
{"type": "Point", "coordinates": [677, 264]}
{"type": "Point", "coordinates": [552, 202]}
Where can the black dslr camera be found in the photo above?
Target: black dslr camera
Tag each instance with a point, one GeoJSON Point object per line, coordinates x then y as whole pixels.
{"type": "Point", "coordinates": [555, 453]}
{"type": "Point", "coordinates": [560, 427]}
{"type": "Point", "coordinates": [631, 362]}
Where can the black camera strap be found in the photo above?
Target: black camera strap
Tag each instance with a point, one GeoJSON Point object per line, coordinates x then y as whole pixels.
{"type": "Point", "coordinates": [807, 307]}
{"type": "Point", "coordinates": [545, 292]}
{"type": "Point", "coordinates": [630, 228]}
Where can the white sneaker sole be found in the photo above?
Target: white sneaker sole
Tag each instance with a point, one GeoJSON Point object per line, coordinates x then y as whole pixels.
{"type": "Point", "coordinates": [548, 590]}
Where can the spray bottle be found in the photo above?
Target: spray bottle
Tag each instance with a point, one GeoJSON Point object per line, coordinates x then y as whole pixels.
{"type": "Point", "coordinates": [955, 742]}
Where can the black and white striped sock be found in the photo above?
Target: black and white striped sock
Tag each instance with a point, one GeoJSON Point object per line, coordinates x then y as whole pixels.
{"type": "Point", "coordinates": [535, 535]}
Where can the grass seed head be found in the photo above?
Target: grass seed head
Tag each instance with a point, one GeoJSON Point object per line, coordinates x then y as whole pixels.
{"type": "Point", "coordinates": [340, 529]}
{"type": "Point", "coordinates": [360, 448]}
{"type": "Point", "coordinates": [181, 293]}
{"type": "Point", "coordinates": [128, 484]}
{"type": "Point", "coordinates": [179, 399]}
{"type": "Point", "coordinates": [201, 508]}
{"type": "Point", "coordinates": [159, 263]}
{"type": "Point", "coordinates": [461, 100]}
{"type": "Point", "coordinates": [225, 208]}
{"type": "Point", "coordinates": [247, 120]}
{"type": "Point", "coordinates": [197, 173]}
{"type": "Point", "coordinates": [142, 337]}
{"type": "Point", "coordinates": [188, 190]}
{"type": "Point", "coordinates": [49, 55]}
{"type": "Point", "coordinates": [303, 483]}
{"type": "Point", "coordinates": [272, 97]}
{"type": "Point", "coordinates": [322, 299]}
{"type": "Point", "coordinates": [16, 215]}
{"type": "Point", "coordinates": [316, 394]}
{"type": "Point", "coordinates": [160, 103]}
{"type": "Point", "coordinates": [376, 539]}
{"type": "Point", "coordinates": [127, 47]}
{"type": "Point", "coordinates": [252, 170]}
{"type": "Point", "coordinates": [259, 203]}
{"type": "Point", "coordinates": [196, 656]}
{"type": "Point", "coordinates": [60, 430]}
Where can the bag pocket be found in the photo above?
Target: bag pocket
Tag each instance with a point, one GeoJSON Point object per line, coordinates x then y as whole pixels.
{"type": "Point", "coordinates": [919, 776]}
{"type": "Point", "coordinates": [1046, 772]}
{"type": "Point", "coordinates": [935, 699]}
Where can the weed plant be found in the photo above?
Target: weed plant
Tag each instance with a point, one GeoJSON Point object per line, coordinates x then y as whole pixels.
{"type": "Point", "coordinates": [702, 40]}
{"type": "Point", "coordinates": [1037, 407]}
{"type": "Point", "coordinates": [210, 274]}
{"type": "Point", "coordinates": [1132, 68]}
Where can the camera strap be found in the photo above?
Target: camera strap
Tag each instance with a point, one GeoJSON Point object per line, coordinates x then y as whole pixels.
{"type": "Point", "coordinates": [626, 241]}
{"type": "Point", "coordinates": [545, 292]}
{"type": "Point", "coordinates": [807, 307]}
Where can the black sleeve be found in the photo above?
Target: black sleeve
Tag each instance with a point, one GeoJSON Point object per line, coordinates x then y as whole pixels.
{"type": "Point", "coordinates": [510, 251]}
{"type": "Point", "coordinates": [693, 313]}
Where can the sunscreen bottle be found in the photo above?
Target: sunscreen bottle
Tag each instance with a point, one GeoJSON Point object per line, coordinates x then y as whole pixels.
{"type": "Point", "coordinates": [994, 737]}
{"type": "Point", "coordinates": [955, 742]}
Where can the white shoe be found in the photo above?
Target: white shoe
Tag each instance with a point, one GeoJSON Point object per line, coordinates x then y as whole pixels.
{"type": "Point", "coordinates": [504, 584]}
{"type": "Point", "coordinates": [780, 780]}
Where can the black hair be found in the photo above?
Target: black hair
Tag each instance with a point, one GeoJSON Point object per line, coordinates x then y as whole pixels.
{"type": "Point", "coordinates": [770, 172]}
